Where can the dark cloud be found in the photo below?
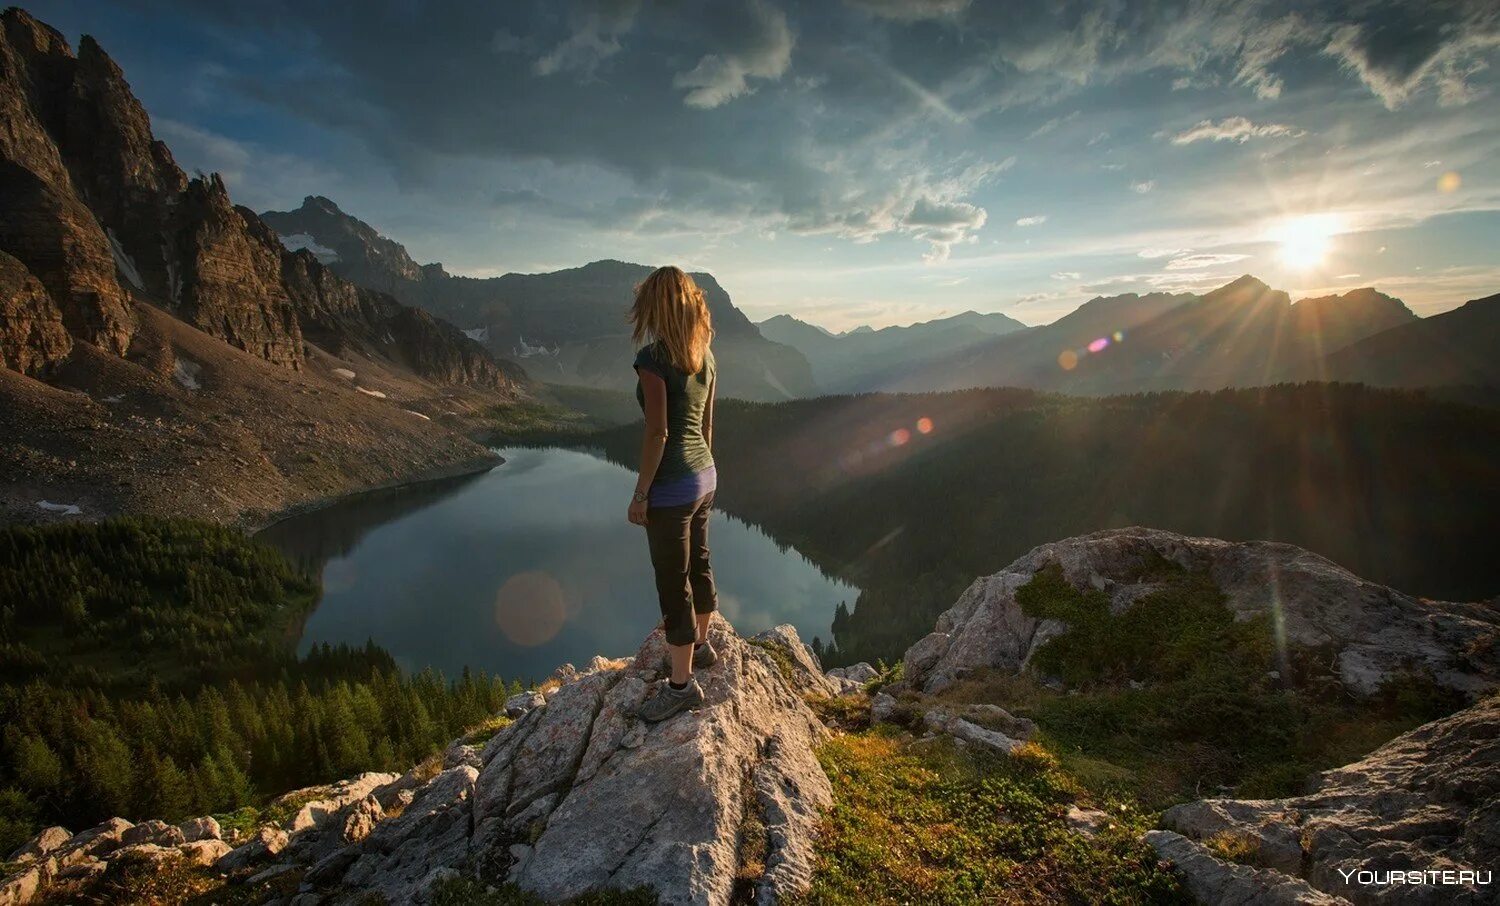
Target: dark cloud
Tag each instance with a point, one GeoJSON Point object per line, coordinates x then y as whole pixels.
{"type": "Point", "coordinates": [860, 119]}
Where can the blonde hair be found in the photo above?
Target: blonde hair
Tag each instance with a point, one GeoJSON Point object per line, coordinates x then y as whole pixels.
{"type": "Point", "coordinates": [671, 310]}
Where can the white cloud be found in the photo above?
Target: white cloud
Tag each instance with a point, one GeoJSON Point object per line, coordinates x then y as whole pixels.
{"type": "Point", "coordinates": [1052, 125]}
{"type": "Point", "coordinates": [1234, 129]}
{"type": "Point", "coordinates": [1162, 252]}
{"type": "Point", "coordinates": [1141, 187]}
{"type": "Point", "coordinates": [1033, 220]}
{"type": "Point", "coordinates": [1197, 262]}
{"type": "Point", "coordinates": [721, 77]}
{"type": "Point", "coordinates": [596, 29]}
{"type": "Point", "coordinates": [1067, 275]}
{"type": "Point", "coordinates": [943, 224]}
{"type": "Point", "coordinates": [910, 10]}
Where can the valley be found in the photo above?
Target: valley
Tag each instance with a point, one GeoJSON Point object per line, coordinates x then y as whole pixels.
{"type": "Point", "coordinates": [316, 583]}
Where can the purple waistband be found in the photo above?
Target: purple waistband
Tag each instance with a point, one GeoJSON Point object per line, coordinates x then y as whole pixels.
{"type": "Point", "coordinates": [684, 490]}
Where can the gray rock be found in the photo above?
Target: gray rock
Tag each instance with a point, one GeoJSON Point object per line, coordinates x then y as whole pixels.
{"type": "Point", "coordinates": [328, 800]}
{"type": "Point", "coordinates": [262, 845]}
{"type": "Point", "coordinates": [860, 673]}
{"type": "Point", "coordinates": [1211, 880]}
{"type": "Point", "coordinates": [1375, 631]}
{"type": "Point", "coordinates": [1086, 821]}
{"type": "Point", "coordinates": [159, 832]}
{"type": "Point", "coordinates": [940, 721]}
{"type": "Point", "coordinates": [151, 853]}
{"type": "Point", "coordinates": [521, 702]}
{"type": "Point", "coordinates": [23, 886]}
{"type": "Point", "coordinates": [360, 819]}
{"type": "Point", "coordinates": [195, 829]}
{"type": "Point", "coordinates": [807, 672]}
{"type": "Point", "coordinates": [43, 844]}
{"type": "Point", "coordinates": [204, 852]}
{"type": "Point", "coordinates": [577, 794]}
{"type": "Point", "coordinates": [997, 718]}
{"type": "Point", "coordinates": [882, 708]}
{"type": "Point", "coordinates": [272, 873]}
{"type": "Point", "coordinates": [1426, 801]}
{"type": "Point", "coordinates": [458, 753]}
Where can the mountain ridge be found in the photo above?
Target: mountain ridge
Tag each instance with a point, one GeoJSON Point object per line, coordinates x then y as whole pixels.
{"type": "Point", "coordinates": [566, 326]}
{"type": "Point", "coordinates": [151, 327]}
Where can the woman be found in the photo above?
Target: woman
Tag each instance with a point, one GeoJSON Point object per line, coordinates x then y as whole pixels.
{"type": "Point", "coordinates": [675, 387]}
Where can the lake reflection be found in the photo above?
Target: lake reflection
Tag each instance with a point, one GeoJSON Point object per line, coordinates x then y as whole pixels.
{"type": "Point", "coordinates": [523, 568]}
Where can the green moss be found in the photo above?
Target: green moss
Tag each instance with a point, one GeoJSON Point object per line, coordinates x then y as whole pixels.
{"type": "Point", "coordinates": [1173, 697]}
{"type": "Point", "coordinates": [482, 732]}
{"type": "Point", "coordinates": [780, 655]}
{"type": "Point", "coordinates": [921, 822]}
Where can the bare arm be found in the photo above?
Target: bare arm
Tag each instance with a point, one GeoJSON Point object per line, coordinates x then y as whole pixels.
{"type": "Point", "coordinates": [708, 415]}
{"type": "Point", "coordinates": [654, 441]}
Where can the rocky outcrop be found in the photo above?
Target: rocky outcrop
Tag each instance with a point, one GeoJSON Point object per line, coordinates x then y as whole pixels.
{"type": "Point", "coordinates": [32, 336]}
{"type": "Point", "coordinates": [1372, 632]}
{"type": "Point", "coordinates": [1427, 802]}
{"type": "Point", "coordinates": [56, 856]}
{"type": "Point", "coordinates": [231, 276]}
{"type": "Point", "coordinates": [578, 794]}
{"type": "Point", "coordinates": [96, 209]}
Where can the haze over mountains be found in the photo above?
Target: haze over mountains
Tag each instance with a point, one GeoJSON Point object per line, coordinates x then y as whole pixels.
{"type": "Point", "coordinates": [865, 358]}
{"type": "Point", "coordinates": [1243, 334]}
{"type": "Point", "coordinates": [566, 327]}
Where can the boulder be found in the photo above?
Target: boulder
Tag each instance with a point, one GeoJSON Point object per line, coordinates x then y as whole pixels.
{"type": "Point", "coordinates": [882, 708]}
{"type": "Point", "coordinates": [940, 721]}
{"type": "Point", "coordinates": [263, 844]}
{"type": "Point", "coordinates": [518, 704]}
{"type": "Point", "coordinates": [860, 673]}
{"type": "Point", "coordinates": [806, 672]}
{"type": "Point", "coordinates": [578, 794]}
{"type": "Point", "coordinates": [1428, 800]}
{"type": "Point", "coordinates": [45, 843]}
{"type": "Point", "coordinates": [157, 832]}
{"type": "Point", "coordinates": [1212, 880]}
{"type": "Point", "coordinates": [1374, 632]}
{"type": "Point", "coordinates": [23, 886]}
{"type": "Point", "coordinates": [207, 851]}
{"type": "Point", "coordinates": [321, 803]}
{"type": "Point", "coordinates": [205, 828]}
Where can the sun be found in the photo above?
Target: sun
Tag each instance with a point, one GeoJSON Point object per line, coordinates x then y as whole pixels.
{"type": "Point", "coordinates": [1306, 240]}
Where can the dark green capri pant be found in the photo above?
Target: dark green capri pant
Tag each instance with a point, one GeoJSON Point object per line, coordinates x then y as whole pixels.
{"type": "Point", "coordinates": [678, 536]}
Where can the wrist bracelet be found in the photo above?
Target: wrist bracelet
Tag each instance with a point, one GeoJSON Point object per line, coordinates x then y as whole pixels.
{"type": "Point", "coordinates": [638, 497]}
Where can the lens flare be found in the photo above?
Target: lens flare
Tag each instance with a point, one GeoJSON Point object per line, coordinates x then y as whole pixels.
{"type": "Point", "coordinates": [899, 437]}
{"type": "Point", "coordinates": [1119, 336]}
{"type": "Point", "coordinates": [1067, 360]}
{"type": "Point", "coordinates": [924, 425]}
{"type": "Point", "coordinates": [530, 608]}
{"type": "Point", "coordinates": [1099, 344]}
{"type": "Point", "coordinates": [1449, 182]}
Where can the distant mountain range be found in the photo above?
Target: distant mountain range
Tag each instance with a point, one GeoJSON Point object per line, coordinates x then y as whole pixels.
{"type": "Point", "coordinates": [161, 350]}
{"type": "Point", "coordinates": [866, 359]}
{"type": "Point", "coordinates": [1243, 334]}
{"type": "Point", "coordinates": [565, 327]}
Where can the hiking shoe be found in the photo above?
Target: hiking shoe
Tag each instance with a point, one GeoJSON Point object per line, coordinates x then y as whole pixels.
{"type": "Point", "coordinates": [704, 656]}
{"type": "Point", "coordinates": [669, 702]}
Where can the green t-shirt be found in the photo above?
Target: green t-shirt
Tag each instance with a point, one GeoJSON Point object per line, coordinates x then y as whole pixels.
{"type": "Point", "coordinates": [688, 396]}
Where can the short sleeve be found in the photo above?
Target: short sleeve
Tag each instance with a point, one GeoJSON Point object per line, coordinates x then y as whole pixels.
{"type": "Point", "coordinates": [646, 358]}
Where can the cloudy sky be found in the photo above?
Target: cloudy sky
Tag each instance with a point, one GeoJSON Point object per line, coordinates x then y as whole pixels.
{"type": "Point", "coordinates": [859, 161]}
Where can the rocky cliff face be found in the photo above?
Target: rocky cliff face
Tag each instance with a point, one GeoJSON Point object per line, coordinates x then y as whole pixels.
{"type": "Point", "coordinates": [1372, 632]}
{"type": "Point", "coordinates": [565, 327]}
{"type": "Point", "coordinates": [575, 795]}
{"type": "Point", "coordinates": [346, 320]}
{"type": "Point", "coordinates": [32, 335]}
{"type": "Point", "coordinates": [95, 208]}
{"type": "Point", "coordinates": [1428, 801]}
